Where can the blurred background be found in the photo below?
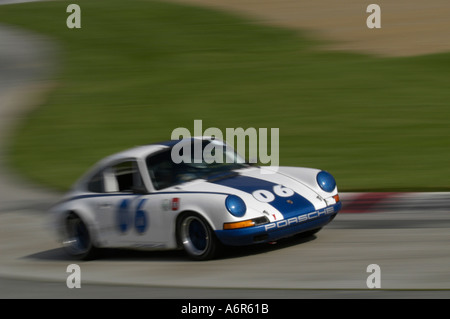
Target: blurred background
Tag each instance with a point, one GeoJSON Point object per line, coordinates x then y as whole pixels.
{"type": "Point", "coordinates": [368, 105]}
{"type": "Point", "coordinates": [371, 106]}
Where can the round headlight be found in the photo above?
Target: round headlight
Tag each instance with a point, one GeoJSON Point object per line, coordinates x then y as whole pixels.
{"type": "Point", "coordinates": [326, 181]}
{"type": "Point", "coordinates": [235, 205]}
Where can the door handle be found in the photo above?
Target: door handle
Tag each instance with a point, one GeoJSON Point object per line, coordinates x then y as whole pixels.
{"type": "Point", "coordinates": [104, 205]}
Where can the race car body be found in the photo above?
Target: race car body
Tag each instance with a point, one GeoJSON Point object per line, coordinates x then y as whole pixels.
{"type": "Point", "coordinates": [143, 198]}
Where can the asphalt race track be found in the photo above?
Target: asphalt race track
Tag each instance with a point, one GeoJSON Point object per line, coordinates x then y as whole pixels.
{"type": "Point", "coordinates": [411, 248]}
{"type": "Point", "coordinates": [410, 243]}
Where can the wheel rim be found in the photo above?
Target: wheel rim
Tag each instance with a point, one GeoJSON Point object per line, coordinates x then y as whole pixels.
{"type": "Point", "coordinates": [194, 235]}
{"type": "Point", "coordinates": [78, 239]}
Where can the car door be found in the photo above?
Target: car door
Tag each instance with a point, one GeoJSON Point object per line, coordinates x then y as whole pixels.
{"type": "Point", "coordinates": [122, 208]}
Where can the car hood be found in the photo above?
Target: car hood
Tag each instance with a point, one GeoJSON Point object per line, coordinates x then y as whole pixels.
{"type": "Point", "coordinates": [245, 182]}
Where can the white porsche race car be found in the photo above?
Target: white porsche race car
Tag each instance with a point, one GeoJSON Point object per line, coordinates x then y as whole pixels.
{"type": "Point", "coordinates": [142, 199]}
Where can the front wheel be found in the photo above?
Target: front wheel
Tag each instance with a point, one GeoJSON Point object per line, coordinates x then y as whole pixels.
{"type": "Point", "coordinates": [197, 237]}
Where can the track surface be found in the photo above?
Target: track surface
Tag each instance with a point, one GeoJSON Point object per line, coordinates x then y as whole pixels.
{"type": "Point", "coordinates": [410, 245]}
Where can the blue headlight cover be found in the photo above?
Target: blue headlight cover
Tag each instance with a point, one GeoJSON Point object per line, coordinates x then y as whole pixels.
{"type": "Point", "coordinates": [235, 205]}
{"type": "Point", "coordinates": [326, 181]}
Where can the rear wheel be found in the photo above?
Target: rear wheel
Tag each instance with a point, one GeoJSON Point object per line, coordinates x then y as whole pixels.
{"type": "Point", "coordinates": [78, 242]}
{"type": "Point", "coordinates": [197, 237]}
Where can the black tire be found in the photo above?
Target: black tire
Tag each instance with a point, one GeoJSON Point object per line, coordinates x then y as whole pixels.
{"type": "Point", "coordinates": [196, 237]}
{"type": "Point", "coordinates": [78, 241]}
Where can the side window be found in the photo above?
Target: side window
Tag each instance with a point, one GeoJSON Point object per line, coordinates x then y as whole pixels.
{"type": "Point", "coordinates": [126, 176]}
{"type": "Point", "coordinates": [161, 170]}
{"type": "Point", "coordinates": [122, 177]}
{"type": "Point", "coordinates": [96, 183]}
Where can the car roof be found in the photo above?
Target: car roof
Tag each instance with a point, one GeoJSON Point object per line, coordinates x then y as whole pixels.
{"type": "Point", "coordinates": [145, 150]}
{"type": "Point", "coordinates": [135, 152]}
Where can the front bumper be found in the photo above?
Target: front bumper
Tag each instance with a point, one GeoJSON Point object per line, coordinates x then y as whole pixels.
{"type": "Point", "coordinates": [279, 229]}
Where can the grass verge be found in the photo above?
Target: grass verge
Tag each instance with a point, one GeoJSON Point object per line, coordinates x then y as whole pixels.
{"type": "Point", "coordinates": [136, 70]}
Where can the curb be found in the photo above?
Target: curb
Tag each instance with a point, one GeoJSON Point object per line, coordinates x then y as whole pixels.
{"type": "Point", "coordinates": [394, 201]}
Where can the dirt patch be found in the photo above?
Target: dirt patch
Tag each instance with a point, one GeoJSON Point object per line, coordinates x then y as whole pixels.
{"type": "Point", "coordinates": [408, 27]}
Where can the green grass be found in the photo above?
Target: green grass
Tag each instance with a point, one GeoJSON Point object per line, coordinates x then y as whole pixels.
{"type": "Point", "coordinates": [136, 70]}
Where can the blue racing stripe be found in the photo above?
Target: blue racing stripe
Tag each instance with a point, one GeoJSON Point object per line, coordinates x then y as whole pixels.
{"type": "Point", "coordinates": [288, 206]}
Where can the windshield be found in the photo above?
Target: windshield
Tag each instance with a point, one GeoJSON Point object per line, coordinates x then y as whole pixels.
{"type": "Point", "coordinates": [190, 160]}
